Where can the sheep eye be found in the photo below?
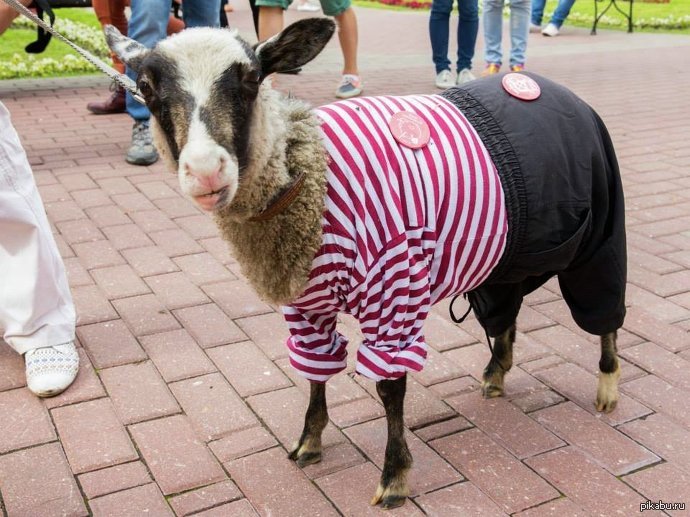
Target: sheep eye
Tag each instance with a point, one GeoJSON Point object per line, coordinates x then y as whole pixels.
{"type": "Point", "coordinates": [145, 88]}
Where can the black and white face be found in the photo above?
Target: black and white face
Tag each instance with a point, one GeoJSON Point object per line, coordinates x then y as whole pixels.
{"type": "Point", "coordinates": [201, 87]}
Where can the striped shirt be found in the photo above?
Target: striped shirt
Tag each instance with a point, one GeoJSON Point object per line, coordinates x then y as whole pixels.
{"type": "Point", "coordinates": [402, 229]}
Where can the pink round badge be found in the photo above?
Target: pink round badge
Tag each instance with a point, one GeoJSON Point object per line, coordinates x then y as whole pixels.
{"type": "Point", "coordinates": [409, 129]}
{"type": "Point", "coordinates": [521, 87]}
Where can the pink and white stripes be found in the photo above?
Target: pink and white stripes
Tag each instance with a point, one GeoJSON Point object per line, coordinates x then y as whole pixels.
{"type": "Point", "coordinates": [402, 229]}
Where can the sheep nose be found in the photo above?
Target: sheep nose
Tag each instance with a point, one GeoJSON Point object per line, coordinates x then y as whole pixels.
{"type": "Point", "coordinates": [210, 180]}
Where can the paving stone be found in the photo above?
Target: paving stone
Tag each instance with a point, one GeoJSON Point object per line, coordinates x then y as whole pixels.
{"type": "Point", "coordinates": [472, 358]}
{"type": "Point", "coordinates": [46, 491]}
{"type": "Point", "coordinates": [455, 387]}
{"type": "Point", "coordinates": [247, 369]}
{"type": "Point", "coordinates": [132, 202]}
{"type": "Point", "coordinates": [149, 261]}
{"type": "Point", "coordinates": [126, 236]}
{"type": "Point", "coordinates": [600, 442]}
{"type": "Point", "coordinates": [176, 206]}
{"type": "Point", "coordinates": [176, 355]}
{"type": "Point", "coordinates": [577, 385]}
{"type": "Point", "coordinates": [138, 393]}
{"type": "Point", "coordinates": [92, 436]}
{"type": "Point", "coordinates": [153, 221]}
{"type": "Point", "coordinates": [241, 508]}
{"type": "Point", "coordinates": [583, 482]}
{"type": "Point", "coordinates": [282, 412]}
{"type": "Point", "coordinates": [113, 479]}
{"type": "Point", "coordinates": [459, 499]}
{"type": "Point", "coordinates": [242, 443]}
{"type": "Point", "coordinates": [445, 428]}
{"type": "Point", "coordinates": [141, 500]}
{"type": "Point", "coordinates": [643, 324]}
{"type": "Point", "coordinates": [63, 211]}
{"type": "Point", "coordinates": [335, 458]}
{"type": "Point", "coordinates": [661, 362]}
{"type": "Point", "coordinates": [12, 369]}
{"type": "Point", "coordinates": [145, 315]}
{"type": "Point", "coordinates": [213, 407]}
{"type": "Point", "coordinates": [209, 326]}
{"type": "Point", "coordinates": [81, 230]}
{"type": "Point", "coordinates": [429, 472]}
{"type": "Point", "coordinates": [505, 424]}
{"type": "Point", "coordinates": [438, 368]}
{"type": "Point", "coordinates": [537, 400]}
{"type": "Point", "coordinates": [24, 421]}
{"type": "Point", "coordinates": [236, 299]}
{"type": "Point", "coordinates": [557, 508]}
{"type": "Point", "coordinates": [205, 498]}
{"type": "Point", "coordinates": [156, 190]}
{"type": "Point", "coordinates": [508, 482]}
{"type": "Point", "coordinates": [119, 281]}
{"type": "Point", "coordinates": [218, 248]}
{"type": "Point", "coordinates": [355, 412]}
{"type": "Point", "coordinates": [443, 335]}
{"type": "Point", "coordinates": [115, 186]}
{"type": "Point", "coordinates": [110, 344]}
{"type": "Point", "coordinates": [662, 397]}
{"type": "Point", "coordinates": [91, 305]}
{"type": "Point", "coordinates": [269, 332]}
{"type": "Point", "coordinates": [86, 199]}
{"type": "Point", "coordinates": [288, 486]}
{"type": "Point", "coordinates": [570, 346]}
{"type": "Point", "coordinates": [663, 437]}
{"type": "Point", "coordinates": [86, 385]}
{"type": "Point", "coordinates": [175, 242]}
{"type": "Point", "coordinates": [198, 226]}
{"type": "Point", "coordinates": [76, 273]}
{"type": "Point", "coordinates": [176, 457]}
{"type": "Point", "coordinates": [352, 489]}
{"type": "Point", "coordinates": [664, 482]}
{"type": "Point", "coordinates": [97, 254]}
{"type": "Point", "coordinates": [202, 268]}
{"type": "Point", "coordinates": [176, 291]}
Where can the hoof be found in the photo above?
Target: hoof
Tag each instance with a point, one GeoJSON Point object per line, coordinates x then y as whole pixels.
{"type": "Point", "coordinates": [392, 496]}
{"type": "Point", "coordinates": [303, 456]}
{"type": "Point", "coordinates": [607, 391]}
{"type": "Point", "coordinates": [490, 391]}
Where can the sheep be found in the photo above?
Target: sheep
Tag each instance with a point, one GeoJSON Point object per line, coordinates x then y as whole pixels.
{"type": "Point", "coordinates": [327, 211]}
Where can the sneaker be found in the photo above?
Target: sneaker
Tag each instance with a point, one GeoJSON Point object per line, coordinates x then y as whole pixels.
{"type": "Point", "coordinates": [50, 370]}
{"type": "Point", "coordinates": [534, 28]}
{"type": "Point", "coordinates": [350, 86]}
{"type": "Point", "coordinates": [465, 76]}
{"type": "Point", "coordinates": [141, 152]}
{"type": "Point", "coordinates": [444, 79]}
{"type": "Point", "coordinates": [491, 69]}
{"type": "Point", "coordinates": [551, 30]}
{"type": "Point", "coordinates": [115, 104]}
{"type": "Point", "coordinates": [308, 7]}
{"type": "Point", "coordinates": [517, 68]}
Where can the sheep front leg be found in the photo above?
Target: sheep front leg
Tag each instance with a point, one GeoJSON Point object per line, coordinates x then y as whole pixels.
{"type": "Point", "coordinates": [308, 449]}
{"type": "Point", "coordinates": [607, 391]}
{"type": "Point", "coordinates": [501, 361]}
{"type": "Point", "coordinates": [393, 490]}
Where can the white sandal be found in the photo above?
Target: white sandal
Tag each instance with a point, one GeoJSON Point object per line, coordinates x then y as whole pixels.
{"type": "Point", "coordinates": [50, 370]}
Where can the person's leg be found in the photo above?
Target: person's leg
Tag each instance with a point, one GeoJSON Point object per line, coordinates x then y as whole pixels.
{"type": "Point", "coordinates": [201, 13]}
{"type": "Point", "coordinates": [270, 21]}
{"type": "Point", "coordinates": [8, 14]}
{"type": "Point", "coordinates": [36, 308]}
{"type": "Point", "coordinates": [347, 35]}
{"type": "Point", "coordinates": [561, 13]}
{"type": "Point", "coordinates": [492, 20]}
{"type": "Point", "coordinates": [468, 25]}
{"type": "Point", "coordinates": [519, 31]}
{"type": "Point", "coordinates": [538, 11]}
{"type": "Point", "coordinates": [439, 20]}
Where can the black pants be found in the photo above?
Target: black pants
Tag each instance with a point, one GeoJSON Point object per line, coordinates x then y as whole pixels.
{"type": "Point", "coordinates": [564, 201]}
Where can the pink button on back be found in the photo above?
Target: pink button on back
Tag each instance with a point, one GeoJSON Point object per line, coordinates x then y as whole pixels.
{"type": "Point", "coordinates": [521, 87]}
{"type": "Point", "coordinates": [409, 129]}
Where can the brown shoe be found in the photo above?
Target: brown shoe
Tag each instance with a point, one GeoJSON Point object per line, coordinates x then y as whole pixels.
{"type": "Point", "coordinates": [115, 104]}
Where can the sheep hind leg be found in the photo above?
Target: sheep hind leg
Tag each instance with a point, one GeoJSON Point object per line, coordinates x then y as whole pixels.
{"type": "Point", "coordinates": [610, 373]}
{"type": "Point", "coordinates": [308, 449]}
{"type": "Point", "coordinates": [501, 361]}
{"type": "Point", "coordinates": [393, 490]}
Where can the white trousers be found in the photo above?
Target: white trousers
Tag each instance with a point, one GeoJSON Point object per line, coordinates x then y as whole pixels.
{"type": "Point", "coordinates": [36, 308]}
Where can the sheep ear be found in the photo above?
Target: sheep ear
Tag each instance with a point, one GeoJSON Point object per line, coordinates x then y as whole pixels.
{"type": "Point", "coordinates": [131, 52]}
{"type": "Point", "coordinates": [295, 46]}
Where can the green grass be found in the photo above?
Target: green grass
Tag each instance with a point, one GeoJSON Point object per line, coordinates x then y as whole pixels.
{"type": "Point", "coordinates": [14, 39]}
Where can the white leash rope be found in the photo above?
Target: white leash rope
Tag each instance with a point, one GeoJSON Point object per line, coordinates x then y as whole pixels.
{"type": "Point", "coordinates": [116, 76]}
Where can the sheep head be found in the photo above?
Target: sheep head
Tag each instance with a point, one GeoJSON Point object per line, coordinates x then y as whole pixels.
{"type": "Point", "coordinates": [201, 86]}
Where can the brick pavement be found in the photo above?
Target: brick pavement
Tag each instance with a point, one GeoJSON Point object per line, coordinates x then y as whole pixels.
{"type": "Point", "coordinates": [185, 403]}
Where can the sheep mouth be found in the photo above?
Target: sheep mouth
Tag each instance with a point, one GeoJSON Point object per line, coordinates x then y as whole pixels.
{"type": "Point", "coordinates": [212, 200]}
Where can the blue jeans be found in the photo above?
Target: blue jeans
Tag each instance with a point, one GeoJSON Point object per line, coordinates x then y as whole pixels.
{"type": "Point", "coordinates": [439, 22]}
{"type": "Point", "coordinates": [559, 15]}
{"type": "Point", "coordinates": [148, 26]}
{"type": "Point", "coordinates": [493, 30]}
